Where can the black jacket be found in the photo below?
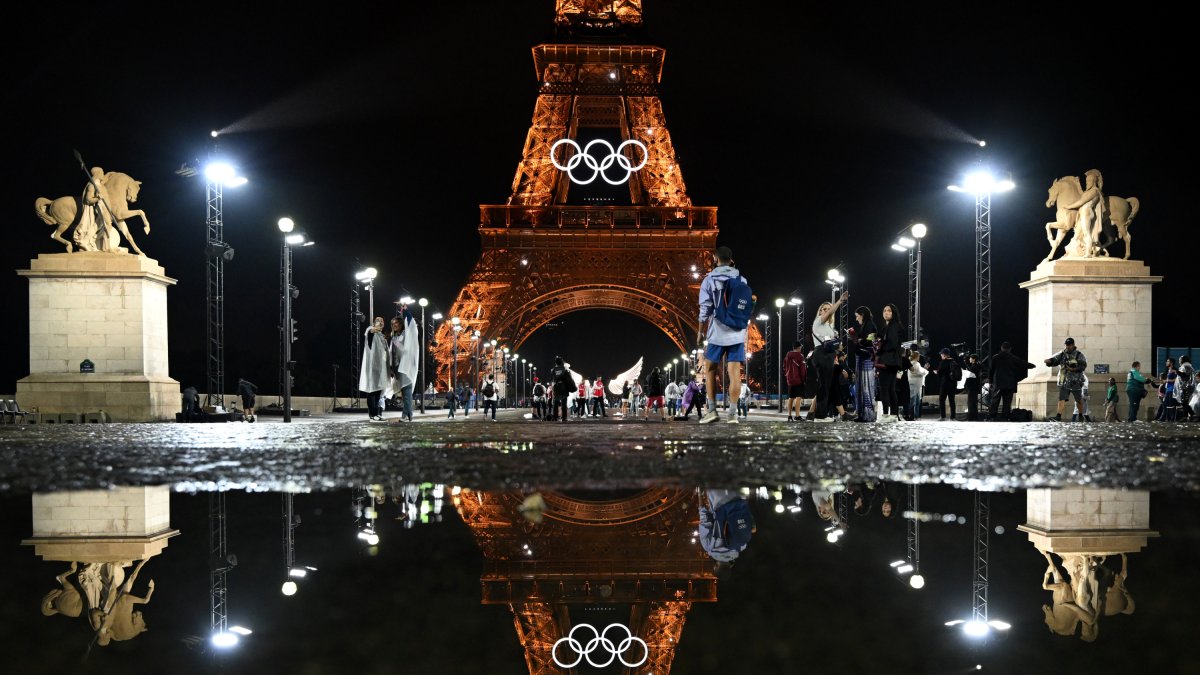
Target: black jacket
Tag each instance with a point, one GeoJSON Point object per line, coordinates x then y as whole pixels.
{"type": "Point", "coordinates": [563, 382]}
{"type": "Point", "coordinates": [654, 385]}
{"type": "Point", "coordinates": [889, 347]}
{"type": "Point", "coordinates": [948, 372]}
{"type": "Point", "coordinates": [975, 383]}
{"type": "Point", "coordinates": [1007, 370]}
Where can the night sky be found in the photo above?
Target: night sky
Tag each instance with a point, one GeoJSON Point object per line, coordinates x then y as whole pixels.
{"type": "Point", "coordinates": [820, 135]}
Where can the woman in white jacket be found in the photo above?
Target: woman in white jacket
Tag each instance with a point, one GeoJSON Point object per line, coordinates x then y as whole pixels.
{"type": "Point", "coordinates": [916, 383]}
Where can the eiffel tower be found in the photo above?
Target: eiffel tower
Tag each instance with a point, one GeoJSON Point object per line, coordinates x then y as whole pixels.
{"type": "Point", "coordinates": [632, 560]}
{"type": "Point", "coordinates": [553, 248]}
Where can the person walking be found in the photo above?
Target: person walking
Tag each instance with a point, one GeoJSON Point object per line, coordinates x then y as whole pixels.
{"type": "Point", "coordinates": [1110, 401]}
{"type": "Point", "coordinates": [726, 304]}
{"type": "Point", "coordinates": [563, 384]}
{"type": "Point", "coordinates": [1135, 389]}
{"type": "Point", "coordinates": [825, 346]}
{"type": "Point", "coordinates": [949, 373]}
{"type": "Point", "coordinates": [1004, 372]}
{"type": "Point", "coordinates": [247, 390]}
{"type": "Point", "coordinates": [373, 377]}
{"type": "Point", "coordinates": [451, 402]}
{"type": "Point", "coordinates": [743, 402]}
{"type": "Point", "coordinates": [672, 394]}
{"type": "Point", "coordinates": [655, 395]}
{"type": "Point", "coordinates": [889, 358]}
{"type": "Point", "coordinates": [1071, 374]}
{"type": "Point", "coordinates": [863, 336]}
{"type": "Point", "coordinates": [916, 384]}
{"type": "Point", "coordinates": [795, 371]}
{"type": "Point", "coordinates": [490, 395]}
{"type": "Point", "coordinates": [539, 399]}
{"type": "Point", "coordinates": [693, 399]}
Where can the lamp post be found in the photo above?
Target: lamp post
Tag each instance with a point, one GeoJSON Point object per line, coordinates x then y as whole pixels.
{"type": "Point", "coordinates": [367, 278]}
{"type": "Point", "coordinates": [217, 175]}
{"type": "Point", "coordinates": [433, 320]}
{"type": "Point", "coordinates": [288, 329]}
{"type": "Point", "coordinates": [455, 327]}
{"type": "Point", "coordinates": [910, 242]}
{"type": "Point", "coordinates": [423, 303]}
{"type": "Point", "coordinates": [505, 363]}
{"type": "Point", "coordinates": [779, 303]}
{"type": "Point", "coordinates": [982, 184]}
{"type": "Point", "coordinates": [766, 352]}
{"type": "Point", "coordinates": [837, 282]}
{"type": "Point", "coordinates": [798, 303]}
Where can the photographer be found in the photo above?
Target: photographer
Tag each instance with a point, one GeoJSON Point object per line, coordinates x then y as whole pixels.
{"type": "Point", "coordinates": [1071, 374]}
{"type": "Point", "coordinates": [948, 373]}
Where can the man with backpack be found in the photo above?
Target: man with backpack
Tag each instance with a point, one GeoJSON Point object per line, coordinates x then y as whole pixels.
{"type": "Point", "coordinates": [539, 400]}
{"type": "Point", "coordinates": [488, 391]}
{"type": "Point", "coordinates": [726, 524]}
{"type": "Point", "coordinates": [726, 306]}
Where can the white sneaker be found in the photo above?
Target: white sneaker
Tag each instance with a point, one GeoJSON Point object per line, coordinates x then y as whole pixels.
{"type": "Point", "coordinates": [733, 420]}
{"type": "Point", "coordinates": [710, 417]}
{"type": "Point", "coordinates": [824, 420]}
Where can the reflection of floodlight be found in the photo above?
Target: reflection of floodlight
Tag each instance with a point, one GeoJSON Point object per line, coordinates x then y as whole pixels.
{"type": "Point", "coordinates": [298, 572]}
{"type": "Point", "coordinates": [289, 588]}
{"type": "Point", "coordinates": [897, 563]}
{"type": "Point", "coordinates": [368, 535]}
{"type": "Point", "coordinates": [904, 569]}
{"type": "Point", "coordinates": [917, 581]}
{"type": "Point", "coordinates": [999, 625]}
{"type": "Point", "coordinates": [975, 628]}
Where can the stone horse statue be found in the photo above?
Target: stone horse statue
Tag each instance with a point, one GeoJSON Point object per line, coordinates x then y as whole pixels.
{"type": "Point", "coordinates": [1113, 223]}
{"type": "Point", "coordinates": [118, 191]}
{"type": "Point", "coordinates": [101, 593]}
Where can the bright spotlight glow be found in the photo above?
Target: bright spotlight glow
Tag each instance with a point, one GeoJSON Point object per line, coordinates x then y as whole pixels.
{"type": "Point", "coordinates": [219, 172]}
{"type": "Point", "coordinates": [904, 569]}
{"type": "Point", "coordinates": [919, 231]}
{"type": "Point", "coordinates": [975, 629]}
{"type": "Point", "coordinates": [831, 538]}
{"type": "Point", "coordinates": [294, 239]}
{"type": "Point", "coordinates": [369, 536]}
{"type": "Point", "coordinates": [368, 274]}
{"type": "Point", "coordinates": [898, 247]}
{"type": "Point", "coordinates": [524, 261]}
{"type": "Point", "coordinates": [406, 300]}
{"type": "Point", "coordinates": [240, 630]}
{"type": "Point", "coordinates": [907, 242]}
{"type": "Point", "coordinates": [979, 181]}
{"type": "Point", "coordinates": [983, 144]}
{"type": "Point", "coordinates": [999, 625]}
{"type": "Point", "coordinates": [423, 302]}
{"type": "Point", "coordinates": [833, 274]}
{"type": "Point", "coordinates": [795, 301]}
{"type": "Point", "coordinates": [780, 302]}
{"type": "Point", "coordinates": [224, 640]}
{"type": "Point", "coordinates": [763, 317]}
{"type": "Point", "coordinates": [897, 563]}
{"type": "Point", "coordinates": [286, 225]}
{"type": "Point", "coordinates": [779, 508]}
{"type": "Point", "coordinates": [289, 588]}
{"type": "Point", "coordinates": [214, 133]}
{"type": "Point", "coordinates": [237, 181]}
{"type": "Point", "coordinates": [454, 320]}
{"type": "Point", "coordinates": [955, 622]}
{"type": "Point", "coordinates": [917, 581]}
{"type": "Point", "coordinates": [1004, 185]}
{"type": "Point", "coordinates": [298, 572]}
{"type": "Point", "coordinates": [437, 316]}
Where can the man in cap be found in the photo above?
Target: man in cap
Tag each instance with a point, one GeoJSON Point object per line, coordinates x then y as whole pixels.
{"type": "Point", "coordinates": [1071, 374]}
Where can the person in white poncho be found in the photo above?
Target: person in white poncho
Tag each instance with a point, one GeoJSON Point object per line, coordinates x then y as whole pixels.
{"type": "Point", "coordinates": [373, 378]}
{"type": "Point", "coordinates": [404, 353]}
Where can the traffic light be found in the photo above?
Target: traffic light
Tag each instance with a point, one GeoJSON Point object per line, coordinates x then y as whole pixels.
{"type": "Point", "coordinates": [293, 331]}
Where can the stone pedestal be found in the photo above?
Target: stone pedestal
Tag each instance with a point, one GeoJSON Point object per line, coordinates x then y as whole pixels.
{"type": "Point", "coordinates": [1088, 520]}
{"type": "Point", "coordinates": [1105, 304]}
{"type": "Point", "coordinates": [111, 309]}
{"type": "Point", "coordinates": [101, 525]}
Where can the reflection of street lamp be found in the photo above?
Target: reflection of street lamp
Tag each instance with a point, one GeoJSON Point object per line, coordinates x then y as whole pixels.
{"type": "Point", "coordinates": [982, 184]}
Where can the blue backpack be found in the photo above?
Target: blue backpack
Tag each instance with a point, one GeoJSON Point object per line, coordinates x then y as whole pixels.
{"type": "Point", "coordinates": [735, 303]}
{"type": "Point", "coordinates": [735, 523]}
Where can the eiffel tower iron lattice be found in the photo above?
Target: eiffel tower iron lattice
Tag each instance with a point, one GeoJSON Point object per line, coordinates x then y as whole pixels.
{"type": "Point", "coordinates": [543, 256]}
{"type": "Point", "coordinates": [637, 552]}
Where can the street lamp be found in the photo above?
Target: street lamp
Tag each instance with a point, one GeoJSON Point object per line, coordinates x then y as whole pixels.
{"type": "Point", "coordinates": [287, 331]}
{"type": "Point", "coordinates": [423, 303]}
{"type": "Point", "coordinates": [798, 303]}
{"type": "Point", "coordinates": [911, 243]}
{"type": "Point", "coordinates": [455, 327]}
{"type": "Point", "coordinates": [367, 277]}
{"type": "Point", "coordinates": [766, 330]}
{"type": "Point", "coordinates": [837, 282]}
{"type": "Point", "coordinates": [982, 183]}
{"type": "Point", "coordinates": [779, 303]}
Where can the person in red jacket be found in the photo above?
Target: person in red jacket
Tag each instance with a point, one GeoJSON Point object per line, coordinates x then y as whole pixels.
{"type": "Point", "coordinates": [598, 397]}
{"type": "Point", "coordinates": [796, 372]}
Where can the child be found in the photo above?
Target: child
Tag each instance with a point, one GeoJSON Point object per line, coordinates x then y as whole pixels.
{"type": "Point", "coordinates": [1110, 401]}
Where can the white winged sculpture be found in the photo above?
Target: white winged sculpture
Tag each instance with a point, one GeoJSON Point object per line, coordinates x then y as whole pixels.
{"type": "Point", "coordinates": [574, 375]}
{"type": "Point", "coordinates": [616, 384]}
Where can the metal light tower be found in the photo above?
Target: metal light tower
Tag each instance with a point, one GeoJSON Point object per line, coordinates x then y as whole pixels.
{"type": "Point", "coordinates": [798, 303]}
{"type": "Point", "coordinates": [982, 184]}
{"type": "Point", "coordinates": [838, 283]}
{"type": "Point", "coordinates": [979, 576]}
{"type": "Point", "coordinates": [910, 242]}
{"type": "Point", "coordinates": [219, 565]}
{"type": "Point", "coordinates": [290, 521]}
{"type": "Point", "coordinates": [288, 326]}
{"type": "Point", "coordinates": [914, 536]}
{"type": "Point", "coordinates": [356, 337]}
{"type": "Point", "coordinates": [779, 303]}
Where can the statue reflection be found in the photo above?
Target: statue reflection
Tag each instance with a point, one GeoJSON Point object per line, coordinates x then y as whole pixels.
{"type": "Point", "coordinates": [1087, 528]}
{"type": "Point", "coordinates": [101, 533]}
{"type": "Point", "coordinates": [551, 555]}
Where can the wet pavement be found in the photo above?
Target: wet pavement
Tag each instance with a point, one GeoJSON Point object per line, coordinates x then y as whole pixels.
{"type": "Point", "coordinates": [333, 452]}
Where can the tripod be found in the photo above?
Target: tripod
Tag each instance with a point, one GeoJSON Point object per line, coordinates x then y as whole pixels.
{"type": "Point", "coordinates": [336, 404]}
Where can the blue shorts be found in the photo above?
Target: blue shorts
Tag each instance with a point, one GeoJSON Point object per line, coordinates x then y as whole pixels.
{"type": "Point", "coordinates": [734, 353]}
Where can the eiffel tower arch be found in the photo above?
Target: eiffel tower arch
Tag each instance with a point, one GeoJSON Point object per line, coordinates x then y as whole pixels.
{"type": "Point", "coordinates": [635, 554]}
{"type": "Point", "coordinates": [545, 254]}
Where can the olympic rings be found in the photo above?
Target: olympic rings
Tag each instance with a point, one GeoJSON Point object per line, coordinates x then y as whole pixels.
{"type": "Point", "coordinates": [599, 640]}
{"type": "Point", "coordinates": [614, 156]}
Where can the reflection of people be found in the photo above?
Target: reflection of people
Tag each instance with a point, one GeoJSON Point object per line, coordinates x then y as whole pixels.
{"type": "Point", "coordinates": [1066, 612]}
{"type": "Point", "coordinates": [1072, 372]}
{"type": "Point", "coordinates": [247, 390]}
{"type": "Point", "coordinates": [1117, 599]}
{"type": "Point", "coordinates": [726, 524]}
{"type": "Point", "coordinates": [373, 377]}
{"type": "Point", "coordinates": [721, 341]}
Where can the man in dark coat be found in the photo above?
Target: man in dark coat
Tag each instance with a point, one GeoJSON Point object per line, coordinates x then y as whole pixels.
{"type": "Point", "coordinates": [1004, 374]}
{"type": "Point", "coordinates": [563, 385]}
